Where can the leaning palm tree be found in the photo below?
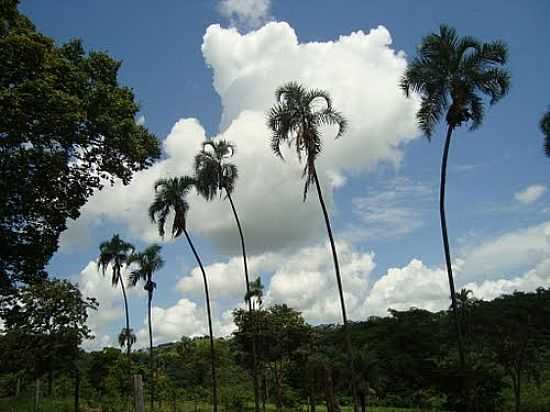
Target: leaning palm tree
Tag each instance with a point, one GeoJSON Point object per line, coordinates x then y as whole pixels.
{"type": "Point", "coordinates": [215, 174]}
{"type": "Point", "coordinates": [451, 74]}
{"type": "Point", "coordinates": [116, 252]}
{"type": "Point", "coordinates": [170, 196]}
{"type": "Point", "coordinates": [545, 128]}
{"type": "Point", "coordinates": [296, 118]}
{"type": "Point", "coordinates": [147, 263]}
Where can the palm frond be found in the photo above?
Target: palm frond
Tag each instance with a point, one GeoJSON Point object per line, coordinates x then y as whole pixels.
{"type": "Point", "coordinates": [545, 128]}
{"type": "Point", "coordinates": [331, 117]}
{"type": "Point", "coordinates": [113, 252]}
{"type": "Point", "coordinates": [135, 276]}
{"type": "Point", "coordinates": [230, 174]}
{"type": "Point", "coordinates": [171, 195]}
{"type": "Point", "coordinates": [457, 67]}
{"type": "Point", "coordinates": [476, 110]}
{"type": "Point", "coordinates": [158, 213]}
{"type": "Point", "coordinates": [295, 119]}
{"type": "Point", "coordinates": [432, 107]}
{"type": "Point", "coordinates": [212, 171]}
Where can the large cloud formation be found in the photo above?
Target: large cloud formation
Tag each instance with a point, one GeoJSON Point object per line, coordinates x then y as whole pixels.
{"type": "Point", "coordinates": [361, 71]}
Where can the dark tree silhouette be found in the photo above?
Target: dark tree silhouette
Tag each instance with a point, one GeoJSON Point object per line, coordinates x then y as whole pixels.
{"type": "Point", "coordinates": [214, 174]}
{"type": "Point", "coordinates": [148, 262]}
{"type": "Point", "coordinates": [170, 195]}
{"type": "Point", "coordinates": [296, 119]}
{"type": "Point", "coordinates": [451, 74]}
{"type": "Point", "coordinates": [116, 252]}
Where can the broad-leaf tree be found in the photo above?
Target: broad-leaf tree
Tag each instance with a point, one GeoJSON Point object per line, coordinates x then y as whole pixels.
{"type": "Point", "coordinates": [296, 119]}
{"type": "Point", "coordinates": [170, 196]}
{"type": "Point", "coordinates": [67, 128]}
{"type": "Point", "coordinates": [147, 263]}
{"type": "Point", "coordinates": [214, 175]}
{"type": "Point", "coordinates": [451, 74]}
{"type": "Point", "coordinates": [116, 252]}
{"type": "Point", "coordinates": [45, 323]}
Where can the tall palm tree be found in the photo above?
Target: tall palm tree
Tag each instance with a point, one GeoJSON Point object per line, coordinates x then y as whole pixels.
{"type": "Point", "coordinates": [296, 119]}
{"type": "Point", "coordinates": [214, 174]}
{"type": "Point", "coordinates": [147, 263]}
{"type": "Point", "coordinates": [170, 196]}
{"type": "Point", "coordinates": [116, 252]}
{"type": "Point", "coordinates": [255, 293]}
{"type": "Point", "coordinates": [545, 128]}
{"type": "Point", "coordinates": [451, 74]}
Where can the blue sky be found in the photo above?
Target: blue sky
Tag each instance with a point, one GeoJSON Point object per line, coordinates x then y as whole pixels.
{"type": "Point", "coordinates": [381, 180]}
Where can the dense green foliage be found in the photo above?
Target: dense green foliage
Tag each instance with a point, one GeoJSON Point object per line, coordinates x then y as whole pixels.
{"type": "Point", "coordinates": [406, 359]}
{"type": "Point", "coordinates": [44, 323]}
{"type": "Point", "coordinates": [67, 128]}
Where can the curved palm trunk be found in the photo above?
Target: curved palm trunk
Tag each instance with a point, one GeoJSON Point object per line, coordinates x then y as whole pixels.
{"type": "Point", "coordinates": [446, 244]}
{"type": "Point", "coordinates": [340, 290]}
{"type": "Point", "coordinates": [128, 341]}
{"type": "Point", "coordinates": [254, 355]}
{"type": "Point", "coordinates": [212, 359]}
{"type": "Point", "coordinates": [128, 344]}
{"type": "Point", "coordinates": [151, 362]}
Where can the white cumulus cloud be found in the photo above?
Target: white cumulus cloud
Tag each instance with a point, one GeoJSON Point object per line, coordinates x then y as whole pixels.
{"type": "Point", "coordinates": [360, 70]}
{"type": "Point", "coordinates": [92, 283]}
{"type": "Point", "coordinates": [530, 194]}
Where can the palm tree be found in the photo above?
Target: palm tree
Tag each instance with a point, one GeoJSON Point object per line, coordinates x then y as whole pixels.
{"type": "Point", "coordinates": [116, 252]}
{"type": "Point", "coordinates": [170, 195]}
{"type": "Point", "coordinates": [255, 293]}
{"type": "Point", "coordinates": [451, 74]}
{"type": "Point", "coordinates": [545, 128]}
{"type": "Point", "coordinates": [215, 173]}
{"type": "Point", "coordinates": [296, 119]}
{"type": "Point", "coordinates": [126, 337]}
{"type": "Point", "coordinates": [148, 262]}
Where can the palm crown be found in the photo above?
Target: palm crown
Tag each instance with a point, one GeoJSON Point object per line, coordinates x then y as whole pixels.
{"type": "Point", "coordinates": [148, 262]}
{"type": "Point", "coordinates": [450, 73]}
{"type": "Point", "coordinates": [212, 170]}
{"type": "Point", "coordinates": [170, 195]}
{"type": "Point", "coordinates": [296, 119]}
{"type": "Point", "coordinates": [256, 291]}
{"type": "Point", "coordinates": [116, 252]}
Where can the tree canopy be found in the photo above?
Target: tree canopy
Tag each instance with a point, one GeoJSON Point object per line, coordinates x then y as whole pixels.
{"type": "Point", "coordinates": [67, 129]}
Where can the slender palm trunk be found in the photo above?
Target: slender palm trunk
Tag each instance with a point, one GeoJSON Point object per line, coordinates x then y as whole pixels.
{"type": "Point", "coordinates": [340, 290]}
{"type": "Point", "coordinates": [151, 361]}
{"type": "Point", "coordinates": [128, 341]}
{"type": "Point", "coordinates": [446, 245]}
{"type": "Point", "coordinates": [247, 280]}
{"type": "Point", "coordinates": [212, 358]}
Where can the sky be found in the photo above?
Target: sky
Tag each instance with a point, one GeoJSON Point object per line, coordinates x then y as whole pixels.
{"type": "Point", "coordinates": [208, 69]}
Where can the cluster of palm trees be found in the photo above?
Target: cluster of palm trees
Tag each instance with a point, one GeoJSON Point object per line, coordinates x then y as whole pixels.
{"type": "Point", "coordinates": [450, 75]}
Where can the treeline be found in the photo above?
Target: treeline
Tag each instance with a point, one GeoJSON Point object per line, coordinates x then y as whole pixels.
{"type": "Point", "coordinates": [406, 359]}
